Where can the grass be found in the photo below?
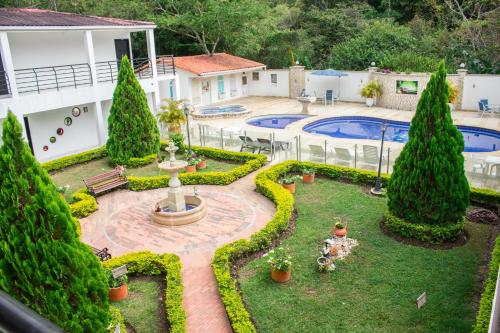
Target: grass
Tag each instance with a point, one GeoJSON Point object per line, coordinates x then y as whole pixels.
{"type": "Point", "coordinates": [376, 287]}
{"type": "Point", "coordinates": [140, 308]}
{"type": "Point", "coordinates": [74, 175]}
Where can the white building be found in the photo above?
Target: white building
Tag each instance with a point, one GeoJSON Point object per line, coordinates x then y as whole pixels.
{"type": "Point", "coordinates": [58, 73]}
{"type": "Point", "coordinates": [205, 79]}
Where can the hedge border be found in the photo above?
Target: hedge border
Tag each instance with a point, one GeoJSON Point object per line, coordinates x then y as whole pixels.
{"type": "Point", "coordinates": [423, 232]}
{"type": "Point", "coordinates": [266, 182]}
{"type": "Point", "coordinates": [486, 302]}
{"type": "Point", "coordinates": [148, 263]}
{"type": "Point", "coordinates": [70, 160]}
{"type": "Point", "coordinates": [116, 318]}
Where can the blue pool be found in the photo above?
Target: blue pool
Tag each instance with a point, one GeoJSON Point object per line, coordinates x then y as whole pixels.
{"type": "Point", "coordinates": [222, 109]}
{"type": "Point", "coordinates": [476, 139]}
{"type": "Point", "coordinates": [276, 121]}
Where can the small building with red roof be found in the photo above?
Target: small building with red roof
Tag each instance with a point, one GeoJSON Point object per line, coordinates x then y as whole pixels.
{"type": "Point", "coordinates": [206, 79]}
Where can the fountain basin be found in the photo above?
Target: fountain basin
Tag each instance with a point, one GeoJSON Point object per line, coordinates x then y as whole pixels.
{"type": "Point", "coordinates": [196, 213]}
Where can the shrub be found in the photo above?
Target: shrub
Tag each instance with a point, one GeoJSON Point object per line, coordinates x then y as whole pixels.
{"type": "Point", "coordinates": [42, 262]}
{"type": "Point", "coordinates": [67, 161]}
{"type": "Point", "coordinates": [408, 61]}
{"type": "Point", "coordinates": [135, 162]}
{"type": "Point", "coordinates": [133, 130]}
{"type": "Point", "coordinates": [147, 263]}
{"type": "Point", "coordinates": [486, 303]}
{"type": "Point", "coordinates": [428, 185]}
{"type": "Point", "coordinates": [372, 89]}
{"type": "Point", "coordinates": [116, 319]}
{"type": "Point", "coordinates": [83, 204]}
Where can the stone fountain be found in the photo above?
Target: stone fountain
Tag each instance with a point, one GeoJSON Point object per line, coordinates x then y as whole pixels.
{"type": "Point", "coordinates": [177, 208]}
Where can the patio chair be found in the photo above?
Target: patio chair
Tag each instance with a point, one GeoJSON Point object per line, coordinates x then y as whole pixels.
{"type": "Point", "coordinates": [248, 143]}
{"type": "Point", "coordinates": [317, 153]}
{"type": "Point", "coordinates": [479, 166]}
{"type": "Point", "coordinates": [485, 107]}
{"type": "Point", "coordinates": [343, 156]}
{"type": "Point", "coordinates": [371, 156]}
{"type": "Point", "coordinates": [495, 171]}
{"type": "Point", "coordinates": [265, 145]}
{"type": "Point", "coordinates": [329, 96]}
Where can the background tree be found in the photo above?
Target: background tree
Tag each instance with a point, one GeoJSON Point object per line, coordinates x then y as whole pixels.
{"type": "Point", "coordinates": [42, 262]}
{"type": "Point", "coordinates": [428, 185]}
{"type": "Point", "coordinates": [133, 130]}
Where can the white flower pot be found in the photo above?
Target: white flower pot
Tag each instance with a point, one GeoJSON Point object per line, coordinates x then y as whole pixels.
{"type": "Point", "coordinates": [370, 102]}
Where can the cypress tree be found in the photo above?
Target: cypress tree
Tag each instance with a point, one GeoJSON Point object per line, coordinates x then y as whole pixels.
{"type": "Point", "coordinates": [133, 130]}
{"type": "Point", "coordinates": [428, 185]}
{"type": "Point", "coordinates": [43, 264]}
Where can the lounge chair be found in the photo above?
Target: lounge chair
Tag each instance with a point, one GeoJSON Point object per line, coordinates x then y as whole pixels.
{"type": "Point", "coordinates": [495, 171]}
{"type": "Point", "coordinates": [329, 96]}
{"type": "Point", "coordinates": [317, 153]}
{"type": "Point", "coordinates": [371, 155]}
{"type": "Point", "coordinates": [485, 107]}
{"type": "Point", "coordinates": [343, 156]}
{"type": "Point", "coordinates": [267, 145]}
{"type": "Point", "coordinates": [248, 143]}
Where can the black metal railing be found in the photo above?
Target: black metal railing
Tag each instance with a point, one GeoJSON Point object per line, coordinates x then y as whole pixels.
{"type": "Point", "coordinates": [16, 317]}
{"type": "Point", "coordinates": [107, 71]}
{"type": "Point", "coordinates": [165, 64]}
{"type": "Point", "coordinates": [52, 77]}
{"type": "Point", "coordinates": [4, 84]}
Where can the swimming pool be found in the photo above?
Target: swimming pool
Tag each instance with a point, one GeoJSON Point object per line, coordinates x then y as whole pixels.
{"type": "Point", "coordinates": [476, 139]}
{"type": "Point", "coordinates": [276, 121]}
{"type": "Point", "coordinates": [222, 109]}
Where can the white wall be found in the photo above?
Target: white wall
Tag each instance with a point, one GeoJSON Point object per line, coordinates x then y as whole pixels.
{"type": "Point", "coordinates": [80, 136]}
{"type": "Point", "coordinates": [264, 87]}
{"type": "Point", "coordinates": [346, 88]}
{"type": "Point", "coordinates": [478, 87]}
{"type": "Point", "coordinates": [104, 44]}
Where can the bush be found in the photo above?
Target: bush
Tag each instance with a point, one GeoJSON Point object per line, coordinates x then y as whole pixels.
{"type": "Point", "coordinates": [424, 232]}
{"type": "Point", "coordinates": [67, 161]}
{"type": "Point", "coordinates": [83, 204]}
{"type": "Point", "coordinates": [485, 197]}
{"type": "Point", "coordinates": [486, 303]}
{"type": "Point", "coordinates": [148, 263]}
{"type": "Point", "coordinates": [135, 162]}
{"type": "Point", "coordinates": [408, 61]}
{"type": "Point", "coordinates": [133, 130]}
{"type": "Point", "coordinates": [116, 319]}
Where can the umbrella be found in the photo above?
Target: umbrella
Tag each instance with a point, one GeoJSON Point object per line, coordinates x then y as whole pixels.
{"type": "Point", "coordinates": [330, 72]}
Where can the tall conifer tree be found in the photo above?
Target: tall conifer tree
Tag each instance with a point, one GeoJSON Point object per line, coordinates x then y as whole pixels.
{"type": "Point", "coordinates": [428, 185]}
{"type": "Point", "coordinates": [133, 130]}
{"type": "Point", "coordinates": [43, 264]}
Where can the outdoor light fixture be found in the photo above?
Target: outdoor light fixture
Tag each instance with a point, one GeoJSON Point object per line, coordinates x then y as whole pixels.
{"type": "Point", "coordinates": [187, 110]}
{"type": "Point", "coordinates": [377, 190]}
{"type": "Point", "coordinates": [462, 65]}
{"type": "Point", "coordinates": [372, 64]}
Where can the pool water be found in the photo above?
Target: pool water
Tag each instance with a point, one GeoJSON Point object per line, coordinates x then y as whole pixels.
{"type": "Point", "coordinates": [476, 139]}
{"type": "Point", "coordinates": [222, 109]}
{"type": "Point", "coordinates": [277, 121]}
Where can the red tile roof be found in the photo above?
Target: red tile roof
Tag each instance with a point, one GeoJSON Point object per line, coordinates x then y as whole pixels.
{"type": "Point", "coordinates": [28, 17]}
{"type": "Point", "coordinates": [219, 62]}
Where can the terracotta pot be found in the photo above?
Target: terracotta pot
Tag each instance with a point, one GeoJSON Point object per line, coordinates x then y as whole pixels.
{"type": "Point", "coordinates": [290, 187]}
{"type": "Point", "coordinates": [308, 179]}
{"type": "Point", "coordinates": [190, 168]}
{"type": "Point", "coordinates": [280, 276]}
{"type": "Point", "coordinates": [201, 165]}
{"type": "Point", "coordinates": [118, 294]}
{"type": "Point", "coordinates": [340, 232]}
{"type": "Point", "coordinates": [174, 129]}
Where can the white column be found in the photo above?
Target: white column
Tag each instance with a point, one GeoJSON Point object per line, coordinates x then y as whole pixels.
{"type": "Point", "coordinates": [89, 48]}
{"type": "Point", "coordinates": [150, 40]}
{"type": "Point", "coordinates": [7, 63]}
{"type": "Point", "coordinates": [101, 130]}
{"type": "Point", "coordinates": [177, 87]}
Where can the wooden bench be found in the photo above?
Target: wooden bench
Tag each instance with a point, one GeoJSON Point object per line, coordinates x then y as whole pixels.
{"type": "Point", "coordinates": [106, 181]}
{"type": "Point", "coordinates": [102, 254]}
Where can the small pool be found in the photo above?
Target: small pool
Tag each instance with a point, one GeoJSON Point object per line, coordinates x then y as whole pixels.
{"type": "Point", "coordinates": [476, 139]}
{"type": "Point", "coordinates": [222, 109]}
{"type": "Point", "coordinates": [276, 121]}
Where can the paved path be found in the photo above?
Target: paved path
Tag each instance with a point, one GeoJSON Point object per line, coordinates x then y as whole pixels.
{"type": "Point", "coordinates": [123, 224]}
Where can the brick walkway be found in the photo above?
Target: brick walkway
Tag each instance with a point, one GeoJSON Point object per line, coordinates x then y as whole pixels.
{"type": "Point", "coordinates": [123, 224]}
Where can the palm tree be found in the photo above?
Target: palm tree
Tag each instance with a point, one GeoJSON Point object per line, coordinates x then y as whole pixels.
{"type": "Point", "coordinates": [172, 116]}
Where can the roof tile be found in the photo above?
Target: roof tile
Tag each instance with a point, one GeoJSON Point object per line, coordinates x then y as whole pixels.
{"type": "Point", "coordinates": [218, 62]}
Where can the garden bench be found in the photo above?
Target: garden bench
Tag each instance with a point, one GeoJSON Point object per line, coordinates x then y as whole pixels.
{"type": "Point", "coordinates": [102, 254]}
{"type": "Point", "coordinates": [106, 181]}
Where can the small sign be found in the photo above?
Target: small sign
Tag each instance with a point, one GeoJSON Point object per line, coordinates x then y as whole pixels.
{"type": "Point", "coordinates": [421, 300]}
{"type": "Point", "coordinates": [119, 271]}
{"type": "Point", "coordinates": [117, 329]}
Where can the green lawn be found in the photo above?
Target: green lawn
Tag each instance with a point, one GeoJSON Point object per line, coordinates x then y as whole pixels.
{"type": "Point", "coordinates": [74, 175]}
{"type": "Point", "coordinates": [375, 288]}
{"type": "Point", "coordinates": [140, 308]}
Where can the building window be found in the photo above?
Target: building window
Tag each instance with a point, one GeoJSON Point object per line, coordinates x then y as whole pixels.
{"type": "Point", "coordinates": [244, 80]}
{"type": "Point", "coordinates": [255, 76]}
{"type": "Point", "coordinates": [274, 78]}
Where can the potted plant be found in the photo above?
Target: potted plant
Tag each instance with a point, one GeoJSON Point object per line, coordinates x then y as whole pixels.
{"type": "Point", "coordinates": [308, 175]}
{"type": "Point", "coordinates": [202, 164]}
{"type": "Point", "coordinates": [288, 182]}
{"type": "Point", "coordinates": [371, 91]}
{"type": "Point", "coordinates": [192, 162]}
{"type": "Point", "coordinates": [340, 228]}
{"type": "Point", "coordinates": [173, 115]}
{"type": "Point", "coordinates": [118, 288]}
{"type": "Point", "coordinates": [325, 264]}
{"type": "Point", "coordinates": [62, 190]}
{"type": "Point", "coordinates": [281, 264]}
{"type": "Point", "coordinates": [453, 93]}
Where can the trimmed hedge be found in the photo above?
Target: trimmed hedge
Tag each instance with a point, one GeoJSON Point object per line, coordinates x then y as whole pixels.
{"type": "Point", "coordinates": [484, 197]}
{"type": "Point", "coordinates": [135, 162]}
{"type": "Point", "coordinates": [486, 303]}
{"type": "Point", "coordinates": [116, 318]}
{"type": "Point", "coordinates": [83, 203]}
{"type": "Point", "coordinates": [423, 232]}
{"type": "Point", "coordinates": [148, 263]}
{"type": "Point", "coordinates": [70, 160]}
{"type": "Point", "coordinates": [266, 182]}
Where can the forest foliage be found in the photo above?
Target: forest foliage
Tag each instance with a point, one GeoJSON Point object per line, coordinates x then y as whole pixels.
{"type": "Point", "coordinates": [342, 34]}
